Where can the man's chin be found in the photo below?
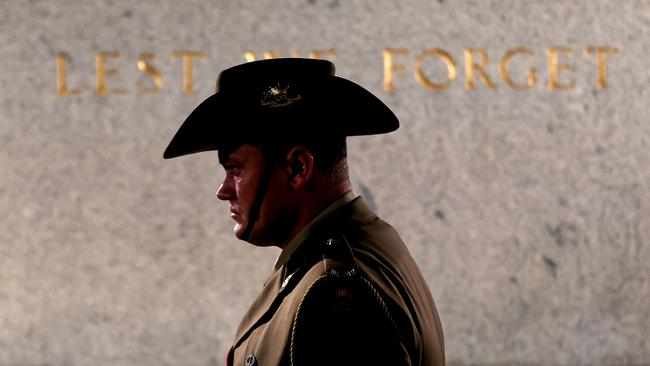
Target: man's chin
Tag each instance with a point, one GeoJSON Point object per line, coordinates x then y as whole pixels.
{"type": "Point", "coordinates": [238, 230]}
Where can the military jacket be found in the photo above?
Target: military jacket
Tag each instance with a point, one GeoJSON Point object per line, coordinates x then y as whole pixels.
{"type": "Point", "coordinates": [351, 294]}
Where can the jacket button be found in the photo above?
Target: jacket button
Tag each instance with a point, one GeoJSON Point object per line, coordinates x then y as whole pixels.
{"type": "Point", "coordinates": [251, 360]}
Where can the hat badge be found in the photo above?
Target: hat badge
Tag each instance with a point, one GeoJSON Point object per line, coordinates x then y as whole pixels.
{"type": "Point", "coordinates": [279, 96]}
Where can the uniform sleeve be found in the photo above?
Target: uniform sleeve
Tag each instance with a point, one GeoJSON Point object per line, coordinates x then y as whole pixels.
{"type": "Point", "coordinates": [344, 321]}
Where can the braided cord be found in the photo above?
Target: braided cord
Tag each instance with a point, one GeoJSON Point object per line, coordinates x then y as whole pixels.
{"type": "Point", "coordinates": [298, 317]}
{"type": "Point", "coordinates": [384, 307]}
{"type": "Point", "coordinates": [319, 282]}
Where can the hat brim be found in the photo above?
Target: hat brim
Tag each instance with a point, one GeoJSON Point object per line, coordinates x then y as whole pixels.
{"type": "Point", "coordinates": [332, 106]}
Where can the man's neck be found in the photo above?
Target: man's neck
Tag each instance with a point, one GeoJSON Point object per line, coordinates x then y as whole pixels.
{"type": "Point", "coordinates": [314, 205]}
{"type": "Point", "coordinates": [307, 230]}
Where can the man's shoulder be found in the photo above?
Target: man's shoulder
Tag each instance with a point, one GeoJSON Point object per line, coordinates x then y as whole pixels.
{"type": "Point", "coordinates": [362, 281]}
{"type": "Point", "coordinates": [341, 312]}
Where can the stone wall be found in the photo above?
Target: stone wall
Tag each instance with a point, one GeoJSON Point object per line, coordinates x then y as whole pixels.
{"type": "Point", "coordinates": [523, 195]}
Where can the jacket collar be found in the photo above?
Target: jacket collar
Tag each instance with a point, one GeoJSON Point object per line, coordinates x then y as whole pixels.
{"type": "Point", "coordinates": [306, 232]}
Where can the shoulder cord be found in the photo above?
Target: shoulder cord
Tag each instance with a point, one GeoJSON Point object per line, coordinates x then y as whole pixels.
{"type": "Point", "coordinates": [272, 308]}
{"type": "Point", "coordinates": [319, 281]}
{"type": "Point", "coordinates": [298, 317]}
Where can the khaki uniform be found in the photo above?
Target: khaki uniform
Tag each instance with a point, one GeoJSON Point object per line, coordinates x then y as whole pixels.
{"type": "Point", "coordinates": [345, 291]}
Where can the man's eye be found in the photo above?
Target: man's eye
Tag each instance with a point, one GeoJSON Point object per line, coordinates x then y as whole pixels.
{"type": "Point", "coordinates": [233, 170]}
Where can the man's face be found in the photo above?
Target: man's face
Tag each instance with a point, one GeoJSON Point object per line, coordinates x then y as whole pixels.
{"type": "Point", "coordinates": [244, 167]}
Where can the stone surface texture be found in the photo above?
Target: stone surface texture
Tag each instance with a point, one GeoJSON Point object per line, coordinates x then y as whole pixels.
{"type": "Point", "coordinates": [528, 211]}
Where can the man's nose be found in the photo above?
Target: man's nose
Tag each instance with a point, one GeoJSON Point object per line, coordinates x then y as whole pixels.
{"type": "Point", "coordinates": [225, 191]}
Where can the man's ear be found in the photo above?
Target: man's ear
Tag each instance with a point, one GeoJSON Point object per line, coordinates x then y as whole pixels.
{"type": "Point", "coordinates": [300, 166]}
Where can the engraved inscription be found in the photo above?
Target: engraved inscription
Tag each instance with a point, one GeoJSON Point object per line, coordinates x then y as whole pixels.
{"type": "Point", "coordinates": [425, 67]}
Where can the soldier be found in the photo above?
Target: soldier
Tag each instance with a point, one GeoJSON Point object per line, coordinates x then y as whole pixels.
{"type": "Point", "coordinates": [344, 290]}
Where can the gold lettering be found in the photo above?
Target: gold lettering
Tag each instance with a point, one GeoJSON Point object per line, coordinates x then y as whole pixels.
{"type": "Point", "coordinates": [188, 71]}
{"type": "Point", "coordinates": [250, 56]}
{"type": "Point", "coordinates": [318, 54]}
{"type": "Point", "coordinates": [471, 66]}
{"type": "Point", "coordinates": [390, 68]}
{"type": "Point", "coordinates": [554, 68]}
{"type": "Point", "coordinates": [272, 54]}
{"type": "Point", "coordinates": [315, 54]}
{"type": "Point", "coordinates": [103, 73]}
{"type": "Point", "coordinates": [444, 56]}
{"type": "Point", "coordinates": [601, 53]}
{"type": "Point", "coordinates": [505, 69]}
{"type": "Point", "coordinates": [61, 80]}
{"type": "Point", "coordinates": [154, 74]}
